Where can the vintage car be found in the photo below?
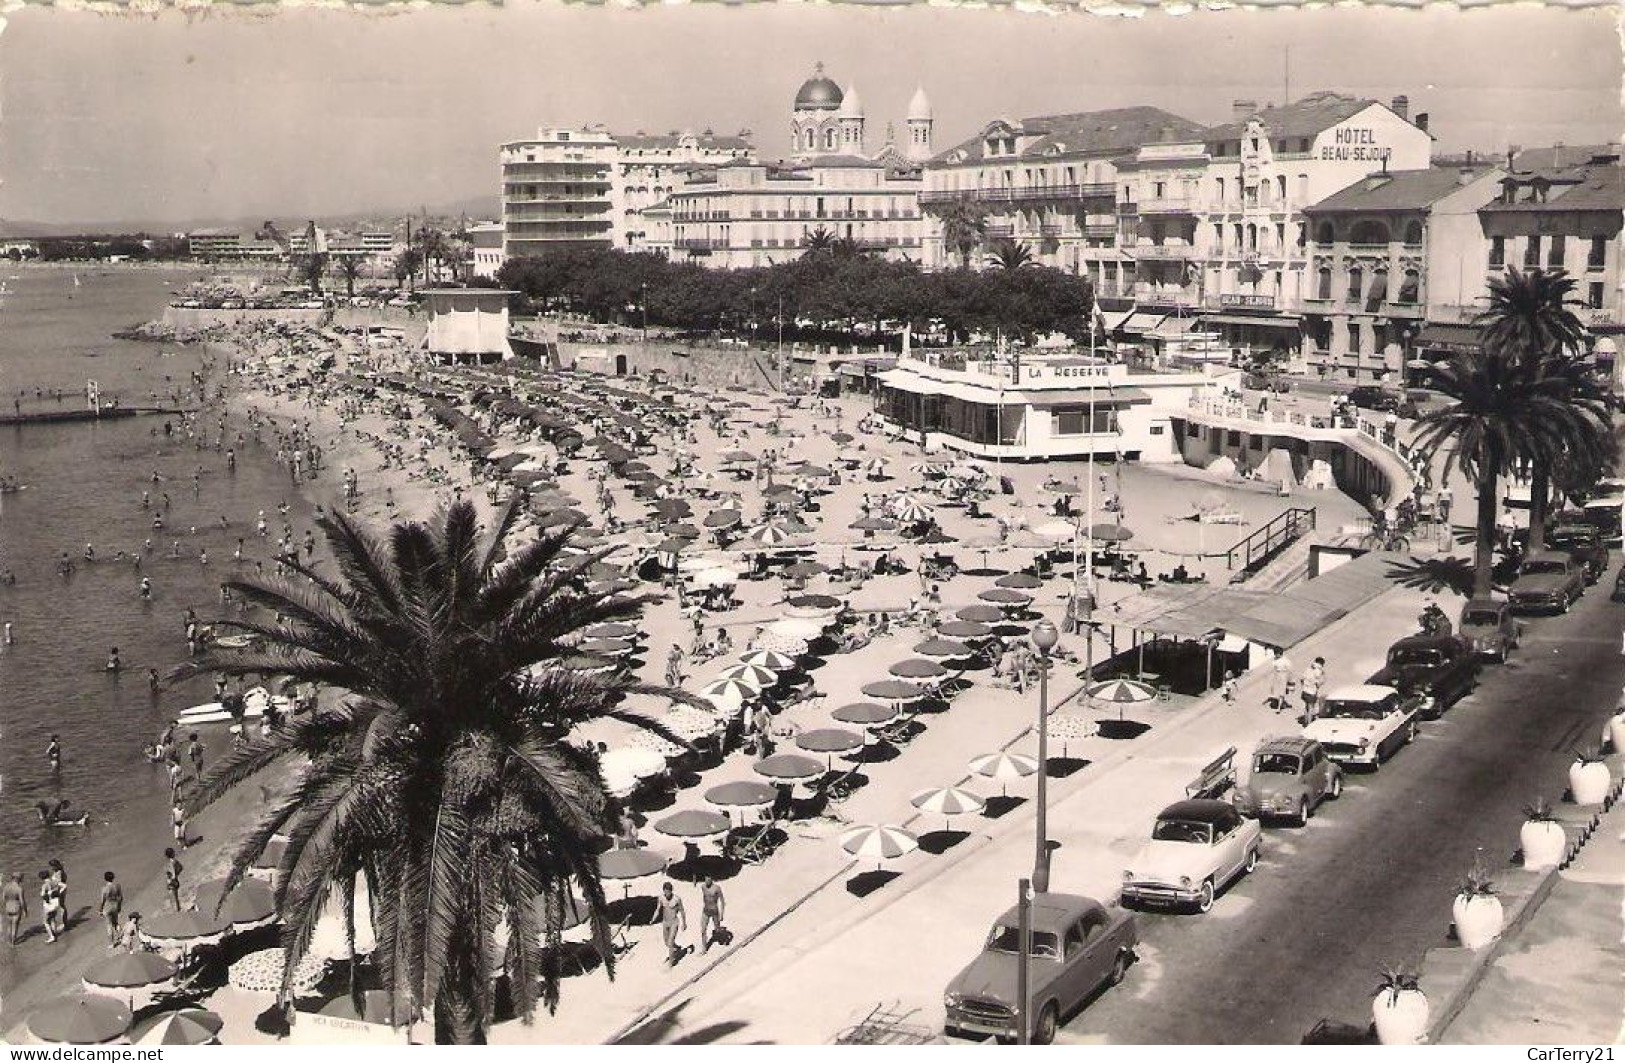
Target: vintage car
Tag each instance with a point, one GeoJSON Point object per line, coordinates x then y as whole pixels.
{"type": "Point", "coordinates": [1488, 624]}
{"type": "Point", "coordinates": [1547, 580]}
{"type": "Point", "coordinates": [1383, 400]}
{"type": "Point", "coordinates": [1364, 724]}
{"type": "Point", "coordinates": [1197, 848]}
{"type": "Point", "coordinates": [1584, 543]}
{"type": "Point", "coordinates": [1290, 776]}
{"type": "Point", "coordinates": [1078, 945]}
{"type": "Point", "coordinates": [1439, 670]}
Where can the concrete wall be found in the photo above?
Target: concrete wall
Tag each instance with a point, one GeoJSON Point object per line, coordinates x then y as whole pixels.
{"type": "Point", "coordinates": [183, 319]}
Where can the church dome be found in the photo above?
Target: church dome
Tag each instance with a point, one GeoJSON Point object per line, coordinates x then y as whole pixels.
{"type": "Point", "coordinates": [819, 93]}
{"type": "Point", "coordinates": [851, 105]}
{"type": "Point", "coordinates": [919, 108]}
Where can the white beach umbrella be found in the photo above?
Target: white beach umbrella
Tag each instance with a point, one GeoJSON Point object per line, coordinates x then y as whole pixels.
{"type": "Point", "coordinates": [778, 662]}
{"type": "Point", "coordinates": [879, 841]}
{"type": "Point", "coordinates": [758, 676]}
{"type": "Point", "coordinates": [948, 801]}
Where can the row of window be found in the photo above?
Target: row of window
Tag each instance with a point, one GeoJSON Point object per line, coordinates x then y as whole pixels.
{"type": "Point", "coordinates": [1596, 252]}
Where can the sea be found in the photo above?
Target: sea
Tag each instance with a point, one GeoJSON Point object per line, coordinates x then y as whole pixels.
{"type": "Point", "coordinates": [83, 485]}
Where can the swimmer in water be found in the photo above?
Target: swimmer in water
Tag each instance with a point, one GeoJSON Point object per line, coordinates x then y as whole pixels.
{"type": "Point", "coordinates": [90, 552]}
{"type": "Point", "coordinates": [146, 588]}
{"type": "Point", "coordinates": [53, 754]}
{"type": "Point", "coordinates": [113, 663]}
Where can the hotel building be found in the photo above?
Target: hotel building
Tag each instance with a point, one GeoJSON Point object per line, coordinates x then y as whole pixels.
{"type": "Point", "coordinates": [587, 187]}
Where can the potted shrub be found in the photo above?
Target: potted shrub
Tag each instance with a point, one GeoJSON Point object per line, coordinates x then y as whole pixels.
{"type": "Point", "coordinates": [1400, 1008]}
{"type": "Point", "coordinates": [1542, 838]}
{"type": "Point", "coordinates": [1477, 911]}
{"type": "Point", "coordinates": [1589, 779]}
{"type": "Point", "coordinates": [1616, 729]}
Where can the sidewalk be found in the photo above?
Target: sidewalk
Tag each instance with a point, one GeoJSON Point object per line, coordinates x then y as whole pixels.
{"type": "Point", "coordinates": [1561, 978]}
{"type": "Point", "coordinates": [816, 961]}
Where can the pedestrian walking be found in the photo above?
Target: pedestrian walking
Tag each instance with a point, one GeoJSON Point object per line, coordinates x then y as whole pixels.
{"type": "Point", "coordinates": [762, 725]}
{"type": "Point", "coordinates": [1314, 678]}
{"type": "Point", "coordinates": [177, 821]}
{"type": "Point", "coordinates": [673, 922]}
{"type": "Point", "coordinates": [50, 904]}
{"type": "Point", "coordinates": [14, 901]}
{"type": "Point", "coordinates": [674, 666]}
{"type": "Point", "coordinates": [194, 753]}
{"type": "Point", "coordinates": [1280, 682]}
{"type": "Point", "coordinates": [172, 878]}
{"type": "Point", "coordinates": [712, 906]}
{"type": "Point", "coordinates": [111, 905]}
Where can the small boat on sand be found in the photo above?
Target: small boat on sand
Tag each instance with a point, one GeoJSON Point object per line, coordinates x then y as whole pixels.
{"type": "Point", "coordinates": [255, 703]}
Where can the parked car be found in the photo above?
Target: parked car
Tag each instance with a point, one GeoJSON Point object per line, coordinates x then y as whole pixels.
{"type": "Point", "coordinates": [1488, 624]}
{"type": "Point", "coordinates": [1383, 400]}
{"type": "Point", "coordinates": [1197, 848]}
{"type": "Point", "coordinates": [1584, 543]}
{"type": "Point", "coordinates": [1364, 724]}
{"type": "Point", "coordinates": [1439, 670]}
{"type": "Point", "coordinates": [1547, 580]}
{"type": "Point", "coordinates": [1078, 946]}
{"type": "Point", "coordinates": [1273, 382]}
{"type": "Point", "coordinates": [1290, 776]}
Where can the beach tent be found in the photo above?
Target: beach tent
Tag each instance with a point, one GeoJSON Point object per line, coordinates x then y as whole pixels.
{"type": "Point", "coordinates": [1222, 467]}
{"type": "Point", "coordinates": [1276, 468]}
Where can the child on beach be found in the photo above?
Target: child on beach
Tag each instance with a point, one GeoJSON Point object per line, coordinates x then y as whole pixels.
{"type": "Point", "coordinates": [132, 933]}
{"type": "Point", "coordinates": [172, 877]}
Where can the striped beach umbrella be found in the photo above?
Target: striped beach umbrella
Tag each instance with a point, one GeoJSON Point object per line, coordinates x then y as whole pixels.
{"type": "Point", "coordinates": [740, 690]}
{"type": "Point", "coordinates": [778, 662]}
{"type": "Point", "coordinates": [754, 675]}
{"type": "Point", "coordinates": [948, 801]}
{"type": "Point", "coordinates": [188, 1026]}
{"type": "Point", "coordinates": [1004, 767]}
{"type": "Point", "coordinates": [879, 841]}
{"type": "Point", "coordinates": [912, 509]}
{"type": "Point", "coordinates": [1120, 692]}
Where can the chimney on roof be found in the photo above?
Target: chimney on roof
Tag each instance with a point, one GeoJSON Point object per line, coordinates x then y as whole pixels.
{"type": "Point", "coordinates": [1469, 156]}
{"type": "Point", "coordinates": [1512, 152]}
{"type": "Point", "coordinates": [1241, 110]}
{"type": "Point", "coordinates": [1422, 121]}
{"type": "Point", "coordinates": [1401, 105]}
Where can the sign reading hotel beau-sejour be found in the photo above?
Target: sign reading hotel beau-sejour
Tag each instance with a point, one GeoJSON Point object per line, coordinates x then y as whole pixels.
{"type": "Point", "coordinates": [1355, 145]}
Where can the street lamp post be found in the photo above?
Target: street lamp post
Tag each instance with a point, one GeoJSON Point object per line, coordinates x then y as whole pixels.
{"type": "Point", "coordinates": [643, 305]}
{"type": "Point", "coordinates": [1044, 637]}
{"type": "Point", "coordinates": [1024, 957]}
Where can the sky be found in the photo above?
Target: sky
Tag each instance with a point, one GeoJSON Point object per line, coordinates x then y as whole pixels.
{"type": "Point", "coordinates": [176, 118]}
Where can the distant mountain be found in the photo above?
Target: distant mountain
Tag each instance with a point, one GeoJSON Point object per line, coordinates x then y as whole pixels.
{"type": "Point", "coordinates": [474, 208]}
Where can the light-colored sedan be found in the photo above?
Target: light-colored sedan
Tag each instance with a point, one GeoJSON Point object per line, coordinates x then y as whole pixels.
{"type": "Point", "coordinates": [1365, 724]}
{"type": "Point", "coordinates": [1197, 848]}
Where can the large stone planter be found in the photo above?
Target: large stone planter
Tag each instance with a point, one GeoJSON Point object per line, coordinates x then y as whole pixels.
{"type": "Point", "coordinates": [1544, 844]}
{"type": "Point", "coordinates": [1589, 782]}
{"type": "Point", "coordinates": [1479, 918]}
{"type": "Point", "coordinates": [1401, 1017]}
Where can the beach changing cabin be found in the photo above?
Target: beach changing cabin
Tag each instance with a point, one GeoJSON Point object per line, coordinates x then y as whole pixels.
{"type": "Point", "coordinates": [467, 326]}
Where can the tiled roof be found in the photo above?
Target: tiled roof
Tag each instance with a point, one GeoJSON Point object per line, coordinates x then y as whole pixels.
{"type": "Point", "coordinates": [1560, 156]}
{"type": "Point", "coordinates": [667, 142]}
{"type": "Point", "coordinates": [1109, 132]}
{"type": "Point", "coordinates": [1395, 190]}
{"type": "Point", "coordinates": [1302, 118]}
{"type": "Point", "coordinates": [1599, 187]}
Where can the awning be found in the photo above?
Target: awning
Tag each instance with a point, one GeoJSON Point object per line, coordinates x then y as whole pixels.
{"type": "Point", "coordinates": [1463, 336]}
{"type": "Point", "coordinates": [1115, 319]}
{"type": "Point", "coordinates": [1122, 396]}
{"type": "Point", "coordinates": [1174, 326]}
{"type": "Point", "coordinates": [1288, 322]}
{"type": "Point", "coordinates": [1142, 322]}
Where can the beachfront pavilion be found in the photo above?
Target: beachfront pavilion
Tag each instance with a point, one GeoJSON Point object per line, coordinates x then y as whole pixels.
{"type": "Point", "coordinates": [1036, 406]}
{"type": "Point", "coordinates": [467, 326]}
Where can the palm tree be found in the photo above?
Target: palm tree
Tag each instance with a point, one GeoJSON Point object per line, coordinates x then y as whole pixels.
{"type": "Point", "coordinates": [349, 268]}
{"type": "Point", "coordinates": [443, 780]}
{"type": "Point", "coordinates": [845, 247]}
{"type": "Point", "coordinates": [819, 242]}
{"type": "Point", "coordinates": [964, 228]}
{"type": "Point", "coordinates": [1508, 414]}
{"type": "Point", "coordinates": [1530, 316]}
{"type": "Point", "coordinates": [311, 269]}
{"type": "Point", "coordinates": [1008, 254]}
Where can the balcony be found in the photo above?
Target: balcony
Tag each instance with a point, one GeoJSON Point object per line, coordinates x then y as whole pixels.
{"type": "Point", "coordinates": [1001, 231]}
{"type": "Point", "coordinates": [1163, 252]}
{"type": "Point", "coordinates": [1103, 230]}
{"type": "Point", "coordinates": [1598, 315]}
{"type": "Point", "coordinates": [699, 243]}
{"type": "Point", "coordinates": [1407, 309]}
{"type": "Point", "coordinates": [1028, 194]}
{"type": "Point", "coordinates": [1169, 205]}
{"type": "Point", "coordinates": [1167, 295]}
{"type": "Point", "coordinates": [1051, 229]}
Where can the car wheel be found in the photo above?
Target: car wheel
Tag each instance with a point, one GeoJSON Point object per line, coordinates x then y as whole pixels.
{"type": "Point", "coordinates": [1336, 789]}
{"type": "Point", "coordinates": [1048, 1021]}
{"type": "Point", "coordinates": [1302, 817]}
{"type": "Point", "coordinates": [1204, 898]}
{"type": "Point", "coordinates": [1410, 733]}
{"type": "Point", "coordinates": [1252, 856]}
{"type": "Point", "coordinates": [1119, 969]}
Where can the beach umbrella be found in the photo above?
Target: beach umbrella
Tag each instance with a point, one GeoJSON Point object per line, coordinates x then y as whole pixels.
{"type": "Point", "coordinates": [605, 647]}
{"type": "Point", "coordinates": [686, 721]}
{"type": "Point", "coordinates": [627, 865]}
{"type": "Point", "coordinates": [796, 627]}
{"type": "Point", "coordinates": [865, 714]}
{"type": "Point", "coordinates": [557, 518]}
{"type": "Point", "coordinates": [716, 577]}
{"type": "Point", "coordinates": [183, 930]}
{"type": "Point", "coordinates": [918, 668]}
{"type": "Point", "coordinates": [829, 740]}
{"type": "Point", "coordinates": [673, 508]}
{"type": "Point", "coordinates": [942, 649]}
{"type": "Point", "coordinates": [724, 704]}
{"type": "Point", "coordinates": [813, 472]}
{"type": "Point", "coordinates": [963, 629]}
{"type": "Point", "coordinates": [270, 858]}
{"type": "Point", "coordinates": [1108, 533]}
{"type": "Point", "coordinates": [683, 531]}
{"type": "Point", "coordinates": [769, 534]}
{"type": "Point", "coordinates": [1005, 596]}
{"type": "Point", "coordinates": [694, 824]}
{"type": "Point", "coordinates": [873, 524]}
{"type": "Point", "coordinates": [947, 801]}
{"type": "Point", "coordinates": [813, 606]}
{"type": "Point", "coordinates": [583, 663]}
{"type": "Point", "coordinates": [127, 970]}
{"type": "Point", "coordinates": [936, 536]}
{"type": "Point", "coordinates": [612, 630]}
{"type": "Point", "coordinates": [381, 1008]}
{"type": "Point", "coordinates": [841, 438]}
{"type": "Point", "coordinates": [877, 466]}
{"type": "Point", "coordinates": [737, 689]}
{"type": "Point", "coordinates": [1019, 581]}
{"type": "Point", "coordinates": [79, 1019]}
{"type": "Point", "coordinates": [695, 563]}
{"type": "Point", "coordinates": [248, 905]}
{"type": "Point", "coordinates": [656, 743]}
{"type": "Point", "coordinates": [981, 614]}
{"type": "Point", "coordinates": [745, 793]}
{"type": "Point", "coordinates": [1120, 692]}
{"type": "Point", "coordinates": [912, 509]}
{"type": "Point", "coordinates": [735, 457]}
{"type": "Point", "coordinates": [892, 690]}
{"type": "Point", "coordinates": [189, 1026]}
{"type": "Point", "coordinates": [778, 662]}
{"type": "Point", "coordinates": [1065, 727]}
{"type": "Point", "coordinates": [262, 971]}
{"type": "Point", "coordinates": [673, 546]}
{"type": "Point", "coordinates": [1004, 766]}
{"type": "Point", "coordinates": [805, 570]}
{"type": "Point", "coordinates": [1056, 530]}
{"type": "Point", "coordinates": [788, 767]}
{"type": "Point", "coordinates": [624, 767]}
{"type": "Point", "coordinates": [879, 842]}
{"type": "Point", "coordinates": [723, 518]}
{"type": "Point", "coordinates": [756, 675]}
